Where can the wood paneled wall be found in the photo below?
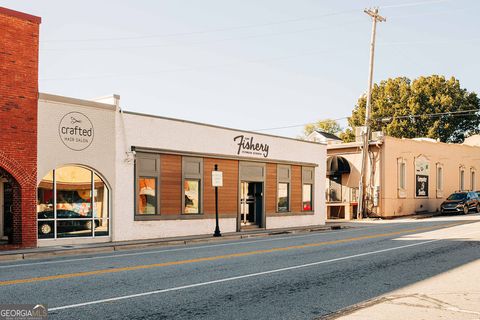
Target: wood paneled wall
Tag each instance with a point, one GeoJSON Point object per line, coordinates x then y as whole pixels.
{"type": "Point", "coordinates": [170, 184]}
{"type": "Point", "coordinates": [271, 189]}
{"type": "Point", "coordinates": [171, 189]}
{"type": "Point", "coordinates": [296, 189]}
{"type": "Point", "coordinates": [228, 194]}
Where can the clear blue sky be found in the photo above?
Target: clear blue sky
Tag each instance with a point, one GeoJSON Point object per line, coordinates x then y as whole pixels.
{"type": "Point", "coordinates": [247, 64]}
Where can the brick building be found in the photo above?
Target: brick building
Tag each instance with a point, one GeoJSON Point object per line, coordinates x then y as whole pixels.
{"type": "Point", "coordinates": [18, 127]}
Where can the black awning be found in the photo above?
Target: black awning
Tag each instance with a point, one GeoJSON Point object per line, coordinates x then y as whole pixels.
{"type": "Point", "coordinates": [337, 165]}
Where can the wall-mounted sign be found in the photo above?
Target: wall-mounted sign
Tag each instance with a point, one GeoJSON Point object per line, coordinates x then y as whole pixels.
{"type": "Point", "coordinates": [217, 179]}
{"type": "Point", "coordinates": [421, 185]}
{"type": "Point", "coordinates": [422, 171]}
{"type": "Point", "coordinates": [247, 146]}
{"type": "Point", "coordinates": [422, 166]}
{"type": "Point", "coordinates": [76, 131]}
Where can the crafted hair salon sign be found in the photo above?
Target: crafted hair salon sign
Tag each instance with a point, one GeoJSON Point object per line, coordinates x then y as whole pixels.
{"type": "Point", "coordinates": [76, 131]}
{"type": "Point", "coordinates": [247, 146]}
{"type": "Point", "coordinates": [422, 172]}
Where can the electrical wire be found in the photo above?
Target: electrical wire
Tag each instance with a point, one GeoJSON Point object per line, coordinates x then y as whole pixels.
{"type": "Point", "coordinates": [265, 24]}
{"type": "Point", "coordinates": [177, 34]}
{"type": "Point", "coordinates": [438, 114]}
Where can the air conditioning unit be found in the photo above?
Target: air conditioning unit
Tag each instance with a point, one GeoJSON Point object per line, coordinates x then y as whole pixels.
{"type": "Point", "coordinates": [377, 135]}
{"type": "Point", "coordinates": [359, 132]}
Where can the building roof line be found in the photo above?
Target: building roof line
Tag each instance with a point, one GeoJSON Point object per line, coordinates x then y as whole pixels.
{"type": "Point", "coordinates": [217, 126]}
{"type": "Point", "coordinates": [20, 15]}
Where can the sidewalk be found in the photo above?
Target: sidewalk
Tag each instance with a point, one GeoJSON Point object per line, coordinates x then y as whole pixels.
{"type": "Point", "coordinates": [454, 294]}
{"type": "Point", "coordinates": [49, 252]}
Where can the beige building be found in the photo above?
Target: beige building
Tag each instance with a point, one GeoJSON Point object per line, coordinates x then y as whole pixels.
{"type": "Point", "coordinates": [404, 177]}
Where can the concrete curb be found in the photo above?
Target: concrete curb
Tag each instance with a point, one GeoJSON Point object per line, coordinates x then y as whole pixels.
{"type": "Point", "coordinates": [42, 253]}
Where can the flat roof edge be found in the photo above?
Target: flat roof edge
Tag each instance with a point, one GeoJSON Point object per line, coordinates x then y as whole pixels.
{"type": "Point", "coordinates": [68, 100]}
{"type": "Point", "coordinates": [351, 145]}
{"type": "Point", "coordinates": [219, 127]}
{"type": "Point", "coordinates": [20, 15]}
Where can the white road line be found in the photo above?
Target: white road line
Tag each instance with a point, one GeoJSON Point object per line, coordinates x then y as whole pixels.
{"type": "Point", "coordinates": [176, 249]}
{"type": "Point", "coordinates": [251, 275]}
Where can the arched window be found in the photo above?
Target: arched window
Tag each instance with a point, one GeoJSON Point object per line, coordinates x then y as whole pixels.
{"type": "Point", "coordinates": [73, 201]}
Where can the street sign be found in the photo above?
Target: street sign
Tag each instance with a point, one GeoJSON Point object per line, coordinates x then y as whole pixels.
{"type": "Point", "coordinates": [217, 179]}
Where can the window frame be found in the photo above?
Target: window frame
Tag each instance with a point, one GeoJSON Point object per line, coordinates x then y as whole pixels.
{"type": "Point", "coordinates": [308, 178]}
{"type": "Point", "coordinates": [401, 188]}
{"type": "Point", "coordinates": [188, 175]}
{"type": "Point", "coordinates": [473, 179]}
{"type": "Point", "coordinates": [147, 174]}
{"type": "Point", "coordinates": [284, 179]}
{"type": "Point", "coordinates": [55, 219]}
{"type": "Point", "coordinates": [461, 178]}
{"type": "Point", "coordinates": [439, 183]}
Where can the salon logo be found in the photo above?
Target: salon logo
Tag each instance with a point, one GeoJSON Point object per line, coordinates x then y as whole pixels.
{"type": "Point", "coordinates": [247, 146]}
{"type": "Point", "coordinates": [76, 131]}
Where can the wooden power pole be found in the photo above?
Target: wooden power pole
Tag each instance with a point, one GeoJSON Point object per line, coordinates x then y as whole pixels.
{"type": "Point", "coordinates": [373, 13]}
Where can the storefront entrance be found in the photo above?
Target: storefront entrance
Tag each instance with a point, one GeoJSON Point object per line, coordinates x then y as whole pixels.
{"type": "Point", "coordinates": [251, 204]}
{"type": "Point", "coordinates": [6, 205]}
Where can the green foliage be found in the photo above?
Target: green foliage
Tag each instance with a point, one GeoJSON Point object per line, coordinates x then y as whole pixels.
{"type": "Point", "coordinates": [405, 105]}
{"type": "Point", "coordinates": [327, 125]}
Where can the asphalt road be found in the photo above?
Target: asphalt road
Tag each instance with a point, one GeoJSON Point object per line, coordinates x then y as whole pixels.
{"type": "Point", "coordinates": [302, 276]}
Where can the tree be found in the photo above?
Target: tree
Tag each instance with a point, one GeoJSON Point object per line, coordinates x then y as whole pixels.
{"type": "Point", "coordinates": [327, 125]}
{"type": "Point", "coordinates": [405, 108]}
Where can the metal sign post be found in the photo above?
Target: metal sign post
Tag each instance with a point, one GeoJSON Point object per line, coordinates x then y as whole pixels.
{"type": "Point", "coordinates": [217, 181]}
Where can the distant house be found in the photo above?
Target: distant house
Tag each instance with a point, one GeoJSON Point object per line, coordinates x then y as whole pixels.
{"type": "Point", "coordinates": [323, 137]}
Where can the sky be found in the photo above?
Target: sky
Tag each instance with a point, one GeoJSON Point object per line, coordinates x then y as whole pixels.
{"type": "Point", "coordinates": [268, 65]}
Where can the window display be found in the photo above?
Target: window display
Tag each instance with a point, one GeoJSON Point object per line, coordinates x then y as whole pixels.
{"type": "Point", "coordinates": [147, 195]}
{"type": "Point", "coordinates": [192, 196]}
{"type": "Point", "coordinates": [283, 197]}
{"type": "Point", "coordinates": [307, 197]}
{"type": "Point", "coordinates": [72, 202]}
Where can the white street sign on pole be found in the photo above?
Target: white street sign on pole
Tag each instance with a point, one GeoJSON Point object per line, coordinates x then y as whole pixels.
{"type": "Point", "coordinates": [217, 179]}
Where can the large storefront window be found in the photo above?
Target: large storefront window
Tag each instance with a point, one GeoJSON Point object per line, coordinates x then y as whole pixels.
{"type": "Point", "coordinates": [283, 197]}
{"type": "Point", "coordinates": [307, 197]}
{"type": "Point", "coordinates": [192, 169]}
{"type": "Point", "coordinates": [192, 196]}
{"type": "Point", "coordinates": [284, 175]}
{"type": "Point", "coordinates": [147, 195]}
{"type": "Point", "coordinates": [147, 178]}
{"type": "Point", "coordinates": [73, 201]}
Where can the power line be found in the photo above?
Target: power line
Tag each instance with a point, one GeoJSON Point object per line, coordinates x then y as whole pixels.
{"type": "Point", "coordinates": [193, 68]}
{"type": "Point", "coordinates": [176, 34]}
{"type": "Point", "coordinates": [250, 26]}
{"type": "Point", "coordinates": [296, 125]}
{"type": "Point", "coordinates": [438, 114]}
{"type": "Point", "coordinates": [197, 42]}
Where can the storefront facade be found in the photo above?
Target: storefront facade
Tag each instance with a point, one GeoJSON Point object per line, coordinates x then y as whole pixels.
{"type": "Point", "coordinates": [405, 176]}
{"type": "Point", "coordinates": [108, 175]}
{"type": "Point", "coordinates": [79, 171]}
{"type": "Point", "coordinates": [76, 170]}
{"type": "Point", "coordinates": [268, 182]}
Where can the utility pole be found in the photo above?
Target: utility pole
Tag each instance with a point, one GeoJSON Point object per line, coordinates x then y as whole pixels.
{"type": "Point", "coordinates": [362, 197]}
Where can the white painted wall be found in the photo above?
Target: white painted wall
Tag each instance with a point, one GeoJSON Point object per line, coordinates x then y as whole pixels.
{"type": "Point", "coordinates": [52, 153]}
{"type": "Point", "coordinates": [176, 135]}
{"type": "Point", "coordinates": [110, 155]}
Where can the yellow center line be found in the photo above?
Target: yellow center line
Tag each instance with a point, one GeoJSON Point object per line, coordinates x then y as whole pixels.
{"type": "Point", "coordinates": [213, 258]}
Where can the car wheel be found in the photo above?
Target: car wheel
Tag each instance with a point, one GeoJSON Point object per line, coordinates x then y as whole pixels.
{"type": "Point", "coordinates": [478, 208]}
{"type": "Point", "coordinates": [88, 225]}
{"type": "Point", "coordinates": [465, 209]}
{"type": "Point", "coordinates": [45, 228]}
